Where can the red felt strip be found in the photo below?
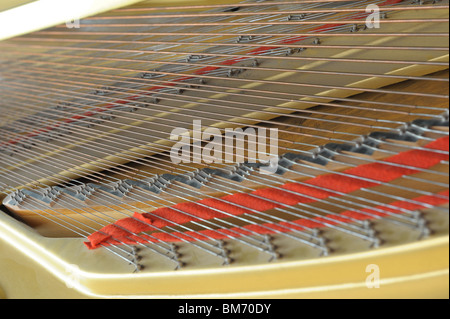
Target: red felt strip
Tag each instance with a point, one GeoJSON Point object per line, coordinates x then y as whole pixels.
{"type": "Point", "coordinates": [270, 228]}
{"type": "Point", "coordinates": [241, 203]}
{"type": "Point", "coordinates": [321, 222]}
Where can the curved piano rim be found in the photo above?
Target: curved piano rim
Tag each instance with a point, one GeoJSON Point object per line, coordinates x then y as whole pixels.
{"type": "Point", "coordinates": [33, 266]}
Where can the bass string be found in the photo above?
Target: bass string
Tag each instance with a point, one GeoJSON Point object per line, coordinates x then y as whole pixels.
{"type": "Point", "coordinates": [187, 228]}
{"type": "Point", "coordinates": [167, 251]}
{"type": "Point", "coordinates": [212, 14]}
{"type": "Point", "coordinates": [362, 118]}
{"type": "Point", "coordinates": [318, 22]}
{"type": "Point", "coordinates": [391, 164]}
{"type": "Point", "coordinates": [347, 155]}
{"type": "Point", "coordinates": [434, 96]}
{"type": "Point", "coordinates": [137, 144]}
{"type": "Point", "coordinates": [200, 88]}
{"type": "Point", "coordinates": [87, 213]}
{"type": "Point", "coordinates": [215, 19]}
{"type": "Point", "coordinates": [81, 173]}
{"type": "Point", "coordinates": [187, 76]}
{"type": "Point", "coordinates": [223, 34]}
{"type": "Point", "coordinates": [239, 13]}
{"type": "Point", "coordinates": [227, 6]}
{"type": "Point", "coordinates": [268, 57]}
{"type": "Point", "coordinates": [338, 115]}
{"type": "Point", "coordinates": [323, 31]}
{"type": "Point", "coordinates": [260, 8]}
{"type": "Point", "coordinates": [312, 145]}
{"type": "Point", "coordinates": [107, 151]}
{"type": "Point", "coordinates": [117, 250]}
{"type": "Point", "coordinates": [43, 121]}
{"type": "Point", "coordinates": [229, 67]}
{"type": "Point", "coordinates": [146, 81]}
{"type": "Point", "coordinates": [289, 132]}
{"type": "Point", "coordinates": [213, 44]}
{"type": "Point", "coordinates": [313, 111]}
{"type": "Point", "coordinates": [208, 43]}
{"type": "Point", "coordinates": [119, 142]}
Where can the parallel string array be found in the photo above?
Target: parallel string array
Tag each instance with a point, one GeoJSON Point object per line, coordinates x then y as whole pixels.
{"type": "Point", "coordinates": [78, 70]}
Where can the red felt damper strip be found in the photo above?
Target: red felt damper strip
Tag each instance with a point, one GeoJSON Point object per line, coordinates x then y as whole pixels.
{"type": "Point", "coordinates": [241, 203]}
{"type": "Point", "coordinates": [271, 228]}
